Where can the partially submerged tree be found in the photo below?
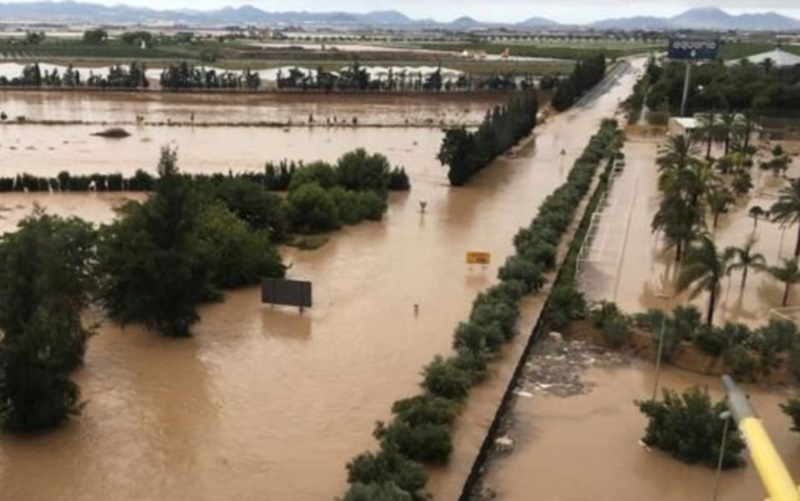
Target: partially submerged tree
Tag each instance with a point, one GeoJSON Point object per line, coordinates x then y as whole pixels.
{"type": "Point", "coordinates": [703, 270]}
{"type": "Point", "coordinates": [788, 273]}
{"type": "Point", "coordinates": [745, 259]}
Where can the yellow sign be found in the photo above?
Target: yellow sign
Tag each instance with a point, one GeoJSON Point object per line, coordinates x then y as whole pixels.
{"type": "Point", "coordinates": [478, 257]}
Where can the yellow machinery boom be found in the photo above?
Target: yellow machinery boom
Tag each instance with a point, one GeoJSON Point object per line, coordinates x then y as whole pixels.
{"type": "Point", "coordinates": [774, 475]}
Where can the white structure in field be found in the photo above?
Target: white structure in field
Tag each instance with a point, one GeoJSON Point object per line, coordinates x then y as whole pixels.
{"type": "Point", "coordinates": [780, 59]}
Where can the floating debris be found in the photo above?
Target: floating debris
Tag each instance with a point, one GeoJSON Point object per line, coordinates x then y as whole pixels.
{"type": "Point", "coordinates": [113, 133]}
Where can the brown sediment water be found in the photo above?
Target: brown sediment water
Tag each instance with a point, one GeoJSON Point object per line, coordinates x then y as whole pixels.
{"type": "Point", "coordinates": [162, 107]}
{"type": "Point", "coordinates": [266, 403]}
{"type": "Point", "coordinates": [629, 264]}
{"type": "Point", "coordinates": [586, 446]}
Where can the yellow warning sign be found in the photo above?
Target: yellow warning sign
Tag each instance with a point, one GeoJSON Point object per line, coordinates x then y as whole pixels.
{"type": "Point", "coordinates": [478, 257]}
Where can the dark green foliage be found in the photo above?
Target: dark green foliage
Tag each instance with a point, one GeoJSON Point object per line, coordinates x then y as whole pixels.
{"type": "Point", "coordinates": [398, 180]}
{"type": "Point", "coordinates": [376, 492]}
{"type": "Point", "coordinates": [427, 443]}
{"type": "Point", "coordinates": [387, 466]}
{"type": "Point", "coordinates": [603, 312]}
{"type": "Point", "coordinates": [250, 202]}
{"type": "Point", "coordinates": [237, 254]}
{"type": "Point", "coordinates": [527, 272]}
{"type": "Point", "coordinates": [711, 341]}
{"type": "Point", "coordinates": [465, 153]}
{"type": "Point", "coordinates": [312, 209]}
{"type": "Point", "coordinates": [587, 73]}
{"type": "Point", "coordinates": [185, 76]}
{"type": "Point", "coordinates": [792, 409]}
{"type": "Point", "coordinates": [118, 77]}
{"type": "Point", "coordinates": [741, 361]}
{"type": "Point", "coordinates": [46, 278]}
{"type": "Point", "coordinates": [360, 171]}
{"type": "Point", "coordinates": [689, 427]}
{"type": "Point", "coordinates": [479, 338]}
{"type": "Point", "coordinates": [687, 321]}
{"type": "Point", "coordinates": [565, 304]}
{"type": "Point", "coordinates": [154, 264]}
{"type": "Point", "coordinates": [425, 409]}
{"type": "Point", "coordinates": [616, 331]}
{"type": "Point", "coordinates": [321, 173]}
{"type": "Point", "coordinates": [443, 378]}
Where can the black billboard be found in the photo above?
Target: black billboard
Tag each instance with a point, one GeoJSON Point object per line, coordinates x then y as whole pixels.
{"type": "Point", "coordinates": [692, 50]}
{"type": "Point", "coordinates": [286, 292]}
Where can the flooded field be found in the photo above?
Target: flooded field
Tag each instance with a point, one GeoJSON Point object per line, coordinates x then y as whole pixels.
{"type": "Point", "coordinates": [266, 403]}
{"type": "Point", "coordinates": [628, 263]}
{"type": "Point", "coordinates": [586, 446]}
{"type": "Point", "coordinates": [124, 107]}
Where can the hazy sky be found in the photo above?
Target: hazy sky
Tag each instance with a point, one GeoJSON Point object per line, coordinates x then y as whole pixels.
{"type": "Point", "coordinates": [576, 11]}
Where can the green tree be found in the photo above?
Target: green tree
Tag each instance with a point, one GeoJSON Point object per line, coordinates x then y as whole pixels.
{"type": "Point", "coordinates": [719, 199]}
{"type": "Point", "coordinates": [95, 36]}
{"type": "Point", "coordinates": [154, 263]}
{"type": "Point", "coordinates": [359, 171]}
{"type": "Point", "coordinates": [757, 212]}
{"type": "Point", "coordinates": [688, 426]}
{"type": "Point", "coordinates": [311, 209]}
{"type": "Point", "coordinates": [703, 270]}
{"type": "Point", "coordinates": [788, 273]}
{"type": "Point", "coordinates": [377, 492]}
{"type": "Point", "coordinates": [786, 210]}
{"type": "Point", "coordinates": [792, 409]}
{"type": "Point", "coordinates": [387, 465]}
{"type": "Point", "coordinates": [45, 282]}
{"type": "Point", "coordinates": [745, 258]}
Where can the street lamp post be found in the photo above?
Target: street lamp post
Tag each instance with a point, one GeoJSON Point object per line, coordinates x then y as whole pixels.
{"type": "Point", "coordinates": [660, 345]}
{"type": "Point", "coordinates": [727, 417]}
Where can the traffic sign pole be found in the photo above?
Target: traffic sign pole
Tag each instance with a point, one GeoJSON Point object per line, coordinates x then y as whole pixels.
{"type": "Point", "coordinates": [686, 87]}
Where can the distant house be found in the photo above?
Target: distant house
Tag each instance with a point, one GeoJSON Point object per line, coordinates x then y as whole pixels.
{"type": "Point", "coordinates": [474, 54]}
{"type": "Point", "coordinates": [780, 58]}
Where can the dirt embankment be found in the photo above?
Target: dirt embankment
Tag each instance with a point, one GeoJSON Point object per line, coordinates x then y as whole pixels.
{"type": "Point", "coordinates": [644, 345]}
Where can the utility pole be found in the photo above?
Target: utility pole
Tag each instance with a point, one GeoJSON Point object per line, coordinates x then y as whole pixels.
{"type": "Point", "coordinates": [686, 86]}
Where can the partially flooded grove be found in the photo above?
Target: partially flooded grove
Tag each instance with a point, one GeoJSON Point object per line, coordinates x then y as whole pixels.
{"type": "Point", "coordinates": [266, 403]}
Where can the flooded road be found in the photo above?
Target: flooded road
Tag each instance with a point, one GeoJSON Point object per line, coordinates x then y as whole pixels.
{"type": "Point", "coordinates": [629, 264]}
{"type": "Point", "coordinates": [586, 446]}
{"type": "Point", "coordinates": [265, 403]}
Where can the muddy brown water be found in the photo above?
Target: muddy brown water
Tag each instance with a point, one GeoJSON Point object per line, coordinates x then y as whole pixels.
{"type": "Point", "coordinates": [157, 107]}
{"type": "Point", "coordinates": [586, 447]}
{"type": "Point", "coordinates": [265, 403]}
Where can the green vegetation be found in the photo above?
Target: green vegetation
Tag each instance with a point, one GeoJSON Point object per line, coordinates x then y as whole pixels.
{"type": "Point", "coordinates": [786, 210]}
{"type": "Point", "coordinates": [586, 74]}
{"type": "Point", "coordinates": [732, 50]}
{"type": "Point", "coordinates": [792, 409]}
{"type": "Point", "coordinates": [118, 77]}
{"type": "Point", "coordinates": [557, 51]}
{"type": "Point", "coordinates": [689, 427]}
{"type": "Point", "coordinates": [45, 282]}
{"type": "Point", "coordinates": [703, 270]}
{"type": "Point", "coordinates": [185, 76]}
{"type": "Point", "coordinates": [420, 430]}
{"type": "Point", "coordinates": [465, 153]}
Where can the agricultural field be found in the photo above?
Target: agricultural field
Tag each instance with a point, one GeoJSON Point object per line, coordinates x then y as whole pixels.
{"type": "Point", "coordinates": [565, 50]}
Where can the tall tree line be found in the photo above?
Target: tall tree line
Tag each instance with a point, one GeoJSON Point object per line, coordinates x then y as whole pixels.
{"type": "Point", "coordinates": [466, 152]}
{"type": "Point", "coordinates": [118, 76]}
{"type": "Point", "coordinates": [587, 73]}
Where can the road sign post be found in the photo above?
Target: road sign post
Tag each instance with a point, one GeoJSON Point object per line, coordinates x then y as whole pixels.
{"type": "Point", "coordinates": [689, 51]}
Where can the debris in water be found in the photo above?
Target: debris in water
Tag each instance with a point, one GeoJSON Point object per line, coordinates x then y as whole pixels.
{"type": "Point", "coordinates": [113, 133]}
{"type": "Point", "coordinates": [522, 393]}
{"type": "Point", "coordinates": [504, 444]}
{"type": "Point", "coordinates": [556, 336]}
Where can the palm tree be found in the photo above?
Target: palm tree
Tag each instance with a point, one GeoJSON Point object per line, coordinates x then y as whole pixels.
{"type": "Point", "coordinates": [768, 64]}
{"type": "Point", "coordinates": [730, 127]}
{"type": "Point", "coordinates": [719, 199]}
{"type": "Point", "coordinates": [787, 209]}
{"type": "Point", "coordinates": [789, 274]}
{"type": "Point", "coordinates": [708, 131]}
{"type": "Point", "coordinates": [703, 270]}
{"type": "Point", "coordinates": [756, 212]}
{"type": "Point", "coordinates": [745, 259]}
{"type": "Point", "coordinates": [678, 153]}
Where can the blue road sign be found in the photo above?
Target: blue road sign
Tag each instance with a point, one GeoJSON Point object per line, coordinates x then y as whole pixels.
{"type": "Point", "coordinates": [692, 50]}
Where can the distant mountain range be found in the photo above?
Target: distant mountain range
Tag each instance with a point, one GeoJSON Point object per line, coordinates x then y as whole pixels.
{"type": "Point", "coordinates": [706, 18]}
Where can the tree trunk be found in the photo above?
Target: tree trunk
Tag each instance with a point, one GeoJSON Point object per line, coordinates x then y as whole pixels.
{"type": "Point", "coordinates": [678, 251]}
{"type": "Point", "coordinates": [727, 142]}
{"type": "Point", "coordinates": [748, 126]}
{"type": "Point", "coordinates": [744, 277]}
{"type": "Point", "coordinates": [797, 245]}
{"type": "Point", "coordinates": [708, 146]}
{"type": "Point", "coordinates": [786, 293]}
{"type": "Point", "coordinates": [755, 223]}
{"type": "Point", "coordinates": [711, 304]}
{"type": "Point", "coordinates": [716, 219]}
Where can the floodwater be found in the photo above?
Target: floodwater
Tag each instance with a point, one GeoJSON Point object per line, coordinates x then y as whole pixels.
{"type": "Point", "coordinates": [179, 108]}
{"type": "Point", "coordinates": [628, 263]}
{"type": "Point", "coordinates": [586, 446]}
{"type": "Point", "coordinates": [268, 403]}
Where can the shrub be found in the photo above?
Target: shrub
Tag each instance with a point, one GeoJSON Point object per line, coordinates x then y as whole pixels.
{"type": "Point", "coordinates": [565, 304]}
{"type": "Point", "coordinates": [603, 311]}
{"type": "Point", "coordinates": [388, 465]}
{"type": "Point", "coordinates": [398, 180]}
{"type": "Point", "coordinates": [540, 252]}
{"type": "Point", "coordinates": [425, 409]}
{"type": "Point", "coordinates": [792, 409]}
{"type": "Point", "coordinates": [472, 363]}
{"type": "Point", "coordinates": [388, 491]}
{"type": "Point", "coordinates": [741, 362]}
{"type": "Point", "coordinates": [486, 312]}
{"type": "Point", "coordinates": [320, 173]}
{"type": "Point", "coordinates": [777, 335]}
{"type": "Point", "coordinates": [687, 320]}
{"type": "Point", "coordinates": [616, 331]}
{"type": "Point", "coordinates": [527, 272]}
{"type": "Point", "coordinates": [478, 338]}
{"type": "Point", "coordinates": [689, 427]}
{"type": "Point", "coordinates": [427, 443]}
{"type": "Point", "coordinates": [711, 341]}
{"type": "Point", "coordinates": [311, 209]}
{"type": "Point", "coordinates": [443, 378]}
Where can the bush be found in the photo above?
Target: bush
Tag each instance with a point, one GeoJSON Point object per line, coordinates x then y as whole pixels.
{"type": "Point", "coordinates": [398, 180]}
{"type": "Point", "coordinates": [311, 209]}
{"type": "Point", "coordinates": [687, 321]}
{"type": "Point", "coordinates": [388, 491]}
{"type": "Point", "coordinates": [427, 443]}
{"type": "Point", "coordinates": [711, 341]}
{"type": "Point", "coordinates": [486, 312]}
{"type": "Point", "coordinates": [388, 465]}
{"type": "Point", "coordinates": [777, 335]}
{"type": "Point", "coordinates": [527, 272]}
{"type": "Point", "coordinates": [443, 378]}
{"type": "Point", "coordinates": [616, 331]}
{"type": "Point", "coordinates": [425, 409]}
{"type": "Point", "coordinates": [688, 427]}
{"type": "Point", "coordinates": [565, 304]}
{"type": "Point", "coordinates": [359, 171]}
{"type": "Point", "coordinates": [478, 338]}
{"type": "Point", "coordinates": [320, 173]}
{"type": "Point", "coordinates": [741, 362]}
{"type": "Point", "coordinates": [602, 312]}
{"type": "Point", "coordinates": [792, 409]}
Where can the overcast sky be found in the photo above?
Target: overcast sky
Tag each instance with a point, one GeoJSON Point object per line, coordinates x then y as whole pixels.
{"type": "Point", "coordinates": [567, 11]}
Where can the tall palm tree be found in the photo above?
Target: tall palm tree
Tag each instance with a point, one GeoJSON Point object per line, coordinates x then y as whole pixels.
{"type": "Point", "coordinates": [719, 199]}
{"type": "Point", "coordinates": [757, 212]}
{"type": "Point", "coordinates": [678, 153]}
{"type": "Point", "coordinates": [703, 270]}
{"type": "Point", "coordinates": [788, 273]}
{"type": "Point", "coordinates": [707, 131]}
{"type": "Point", "coordinates": [787, 209]}
{"type": "Point", "coordinates": [745, 259]}
{"type": "Point", "coordinates": [730, 127]}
